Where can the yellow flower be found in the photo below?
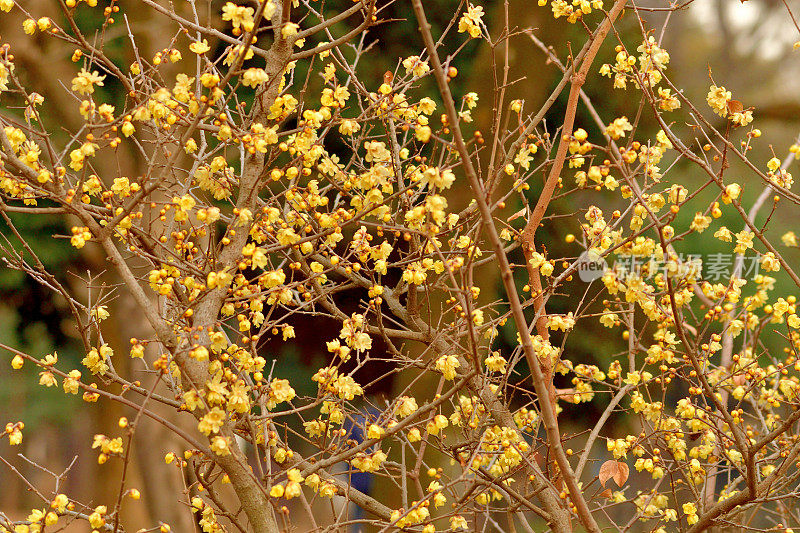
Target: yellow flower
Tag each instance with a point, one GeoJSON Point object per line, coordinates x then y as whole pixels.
{"type": "Point", "coordinates": [128, 129]}
{"type": "Point", "coordinates": [438, 423]}
{"type": "Point", "coordinates": [405, 406]}
{"type": "Point", "coordinates": [95, 361]}
{"type": "Point", "coordinates": [328, 490]}
{"type": "Point", "coordinates": [496, 363]}
{"type": "Point", "coordinates": [221, 445]}
{"type": "Point", "coordinates": [668, 102]}
{"type": "Point", "coordinates": [439, 499]}
{"type": "Point", "coordinates": [416, 65]}
{"type": "Point", "coordinates": [349, 127]}
{"type": "Point", "coordinates": [346, 388]}
{"type": "Point", "coordinates": [744, 240]}
{"type": "Point", "coordinates": [96, 519]}
{"type": "Point", "coordinates": [5, 71]}
{"type": "Point", "coordinates": [71, 384]}
{"type": "Point", "coordinates": [423, 133]}
{"type": "Point", "coordinates": [690, 510]}
{"type": "Point", "coordinates": [60, 503]}
{"type": "Point", "coordinates": [770, 263]}
{"type": "Point", "coordinates": [85, 81]}
{"type": "Point", "coordinates": [731, 193]}
{"type": "Point", "coordinates": [47, 379]}
{"type": "Point", "coordinates": [100, 312]}
{"type": "Point", "coordinates": [718, 99]}
{"type": "Point", "coordinates": [742, 118]}
{"type": "Point", "coordinates": [254, 77]}
{"type": "Point", "coordinates": [312, 481]}
{"type": "Point", "coordinates": [212, 421]}
{"type": "Point", "coordinates": [774, 164]}
{"type": "Point", "coordinates": [240, 16]}
{"type": "Point", "coordinates": [700, 222]}
{"type": "Point", "coordinates": [458, 522]}
{"type": "Point", "coordinates": [289, 30]}
{"type": "Point", "coordinates": [618, 128]}
{"type": "Point", "coordinates": [447, 365]}
{"type": "Point", "coordinates": [353, 334]}
{"type": "Point", "coordinates": [375, 432]}
{"type": "Point", "coordinates": [433, 177]}
{"type": "Point", "coordinates": [209, 79]}
{"type": "Point", "coordinates": [470, 21]}
{"type": "Point", "coordinates": [427, 106]}
{"type": "Point", "coordinates": [724, 234]}
{"type": "Point", "coordinates": [14, 433]}
{"type": "Point", "coordinates": [280, 391]}
{"type": "Point", "coordinates": [29, 26]}
{"type": "Point", "coordinates": [199, 47]}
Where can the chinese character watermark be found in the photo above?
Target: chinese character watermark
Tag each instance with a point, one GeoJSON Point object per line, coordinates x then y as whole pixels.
{"type": "Point", "coordinates": [710, 267]}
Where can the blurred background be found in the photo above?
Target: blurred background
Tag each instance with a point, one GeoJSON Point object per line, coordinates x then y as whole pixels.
{"type": "Point", "coordinates": [745, 46]}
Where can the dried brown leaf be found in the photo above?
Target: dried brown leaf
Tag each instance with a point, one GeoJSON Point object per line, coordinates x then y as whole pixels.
{"type": "Point", "coordinates": [735, 106]}
{"type": "Point", "coordinates": [616, 470]}
{"type": "Point", "coordinates": [518, 214]}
